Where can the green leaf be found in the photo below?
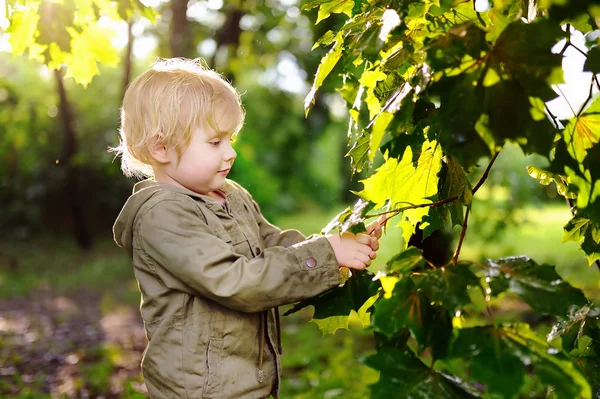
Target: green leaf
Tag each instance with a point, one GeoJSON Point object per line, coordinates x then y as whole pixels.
{"type": "Point", "coordinates": [546, 178]}
{"type": "Point", "coordinates": [591, 249]}
{"type": "Point", "coordinates": [592, 63]}
{"type": "Point", "coordinates": [461, 106]}
{"type": "Point", "coordinates": [340, 301]}
{"type": "Point", "coordinates": [406, 261]}
{"type": "Point", "coordinates": [538, 285]}
{"type": "Point", "coordinates": [454, 183]}
{"type": "Point", "coordinates": [409, 307]}
{"type": "Point", "coordinates": [583, 132]}
{"type": "Point", "coordinates": [491, 361]}
{"type": "Point", "coordinates": [327, 7]}
{"type": "Point", "coordinates": [325, 40]}
{"type": "Point", "coordinates": [381, 123]}
{"type": "Point", "coordinates": [449, 285]}
{"type": "Point", "coordinates": [499, 357]}
{"type": "Point", "coordinates": [403, 184]}
{"type": "Point", "coordinates": [404, 376]}
{"type": "Point", "coordinates": [359, 153]}
{"type": "Point", "coordinates": [405, 308]}
{"type": "Point", "coordinates": [575, 229]}
{"type": "Point", "coordinates": [325, 67]}
{"type": "Point", "coordinates": [530, 62]}
{"type": "Point", "coordinates": [432, 222]}
{"type": "Point", "coordinates": [449, 51]}
{"type": "Point", "coordinates": [553, 368]}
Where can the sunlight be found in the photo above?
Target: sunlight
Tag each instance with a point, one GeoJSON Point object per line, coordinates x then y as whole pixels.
{"type": "Point", "coordinates": [3, 20]}
{"type": "Point", "coordinates": [575, 90]}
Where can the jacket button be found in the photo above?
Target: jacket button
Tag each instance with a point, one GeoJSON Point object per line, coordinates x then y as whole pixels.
{"type": "Point", "coordinates": [311, 262]}
{"type": "Point", "coordinates": [257, 251]}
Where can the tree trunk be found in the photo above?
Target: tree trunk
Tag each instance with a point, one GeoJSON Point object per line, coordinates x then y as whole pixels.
{"type": "Point", "coordinates": [180, 41]}
{"type": "Point", "coordinates": [228, 37]}
{"type": "Point", "coordinates": [127, 66]}
{"type": "Point", "coordinates": [73, 191]}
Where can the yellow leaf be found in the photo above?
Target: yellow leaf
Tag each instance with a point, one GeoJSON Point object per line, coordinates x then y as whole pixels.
{"type": "Point", "coordinates": [581, 133]}
{"type": "Point", "coordinates": [23, 30]}
{"type": "Point", "coordinates": [388, 283]}
{"type": "Point", "coordinates": [403, 184]}
{"type": "Point", "coordinates": [88, 48]}
{"type": "Point", "coordinates": [36, 52]}
{"type": "Point", "coordinates": [57, 56]}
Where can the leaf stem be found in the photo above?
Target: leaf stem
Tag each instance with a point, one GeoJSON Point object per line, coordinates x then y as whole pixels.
{"type": "Point", "coordinates": [486, 173]}
{"type": "Point", "coordinates": [589, 97]}
{"type": "Point", "coordinates": [554, 118]}
{"type": "Point", "coordinates": [463, 231]}
{"type": "Point", "coordinates": [490, 314]}
{"type": "Point", "coordinates": [413, 206]}
{"type": "Point", "coordinates": [578, 49]}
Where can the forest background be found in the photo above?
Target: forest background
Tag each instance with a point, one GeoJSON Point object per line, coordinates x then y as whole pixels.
{"type": "Point", "coordinates": [69, 323]}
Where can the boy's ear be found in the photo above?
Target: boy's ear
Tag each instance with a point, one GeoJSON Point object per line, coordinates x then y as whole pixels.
{"type": "Point", "coordinates": [159, 151]}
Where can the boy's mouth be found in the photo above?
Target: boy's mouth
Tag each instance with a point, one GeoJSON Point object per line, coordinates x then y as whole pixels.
{"type": "Point", "coordinates": [225, 171]}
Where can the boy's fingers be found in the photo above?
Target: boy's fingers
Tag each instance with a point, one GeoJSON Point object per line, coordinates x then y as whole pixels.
{"type": "Point", "coordinates": [363, 258]}
{"type": "Point", "coordinates": [364, 249]}
{"type": "Point", "coordinates": [363, 238]}
{"type": "Point", "coordinates": [374, 244]}
{"type": "Point", "coordinates": [373, 255]}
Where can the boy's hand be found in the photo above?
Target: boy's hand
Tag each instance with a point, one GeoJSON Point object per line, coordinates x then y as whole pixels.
{"type": "Point", "coordinates": [376, 228]}
{"type": "Point", "coordinates": [353, 251]}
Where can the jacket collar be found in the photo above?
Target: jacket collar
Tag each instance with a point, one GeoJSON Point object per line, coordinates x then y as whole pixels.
{"type": "Point", "coordinates": [227, 189]}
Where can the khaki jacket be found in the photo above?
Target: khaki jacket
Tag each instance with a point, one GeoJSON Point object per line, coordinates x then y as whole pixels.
{"type": "Point", "coordinates": [211, 276]}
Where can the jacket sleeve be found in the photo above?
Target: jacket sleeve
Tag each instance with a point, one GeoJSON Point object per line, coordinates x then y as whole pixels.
{"type": "Point", "coordinates": [188, 256]}
{"type": "Point", "coordinates": [271, 235]}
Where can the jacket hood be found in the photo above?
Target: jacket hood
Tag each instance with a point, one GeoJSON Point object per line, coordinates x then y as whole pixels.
{"type": "Point", "coordinates": [123, 227]}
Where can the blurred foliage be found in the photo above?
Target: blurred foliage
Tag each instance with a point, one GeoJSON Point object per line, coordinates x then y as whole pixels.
{"type": "Point", "coordinates": [286, 161]}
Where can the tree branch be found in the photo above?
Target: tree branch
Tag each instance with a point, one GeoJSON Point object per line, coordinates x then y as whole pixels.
{"type": "Point", "coordinates": [554, 118]}
{"type": "Point", "coordinates": [486, 173]}
{"type": "Point", "coordinates": [463, 231]}
{"type": "Point", "coordinates": [399, 210]}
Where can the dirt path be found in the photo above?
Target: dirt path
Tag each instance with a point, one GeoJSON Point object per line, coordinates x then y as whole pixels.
{"type": "Point", "coordinates": [75, 347]}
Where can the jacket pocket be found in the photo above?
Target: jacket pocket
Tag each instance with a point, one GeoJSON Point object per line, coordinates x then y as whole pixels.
{"type": "Point", "coordinates": [214, 362]}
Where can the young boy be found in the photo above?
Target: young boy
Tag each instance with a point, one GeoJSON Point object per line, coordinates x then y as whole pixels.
{"type": "Point", "coordinates": [211, 269]}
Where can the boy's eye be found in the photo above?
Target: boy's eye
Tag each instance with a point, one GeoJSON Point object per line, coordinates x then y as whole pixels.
{"type": "Point", "coordinates": [215, 143]}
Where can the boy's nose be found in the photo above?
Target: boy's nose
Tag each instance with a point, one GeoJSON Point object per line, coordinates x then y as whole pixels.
{"type": "Point", "coordinates": [230, 154]}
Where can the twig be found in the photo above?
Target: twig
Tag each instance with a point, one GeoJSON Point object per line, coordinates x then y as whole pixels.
{"type": "Point", "coordinates": [463, 231]}
{"type": "Point", "coordinates": [399, 210]}
{"type": "Point", "coordinates": [578, 49]}
{"type": "Point", "coordinates": [486, 173]}
{"type": "Point", "coordinates": [566, 99]}
{"type": "Point", "coordinates": [490, 314]}
{"type": "Point", "coordinates": [589, 97]}
{"type": "Point", "coordinates": [568, 41]}
{"type": "Point", "coordinates": [554, 118]}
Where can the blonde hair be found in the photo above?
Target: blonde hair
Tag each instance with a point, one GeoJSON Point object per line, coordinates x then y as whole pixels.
{"type": "Point", "coordinates": [165, 104]}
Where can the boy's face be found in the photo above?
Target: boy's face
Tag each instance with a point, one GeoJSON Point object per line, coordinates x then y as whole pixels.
{"type": "Point", "coordinates": [205, 163]}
